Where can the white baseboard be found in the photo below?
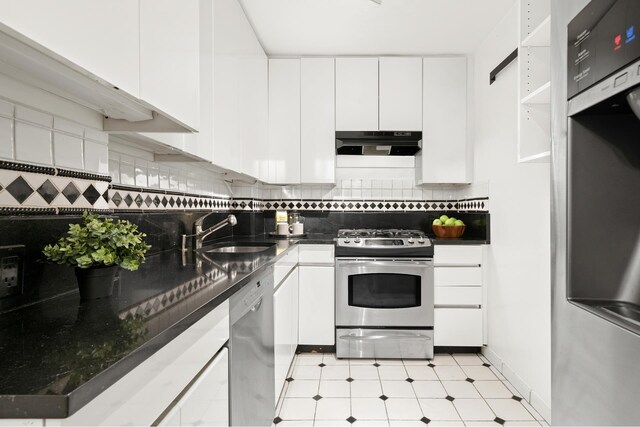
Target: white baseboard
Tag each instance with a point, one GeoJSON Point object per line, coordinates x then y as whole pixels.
{"type": "Point", "coordinates": [520, 385]}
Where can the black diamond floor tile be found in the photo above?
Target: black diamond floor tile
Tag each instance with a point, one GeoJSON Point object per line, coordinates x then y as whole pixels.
{"type": "Point", "coordinates": [350, 380]}
{"type": "Point", "coordinates": [317, 397]}
{"type": "Point", "coordinates": [277, 420]}
{"type": "Point", "coordinates": [71, 192]}
{"type": "Point", "coordinates": [409, 380]}
{"type": "Point", "coordinates": [383, 397]}
{"type": "Point", "coordinates": [486, 364]}
{"type": "Point", "coordinates": [376, 364]}
{"type": "Point", "coordinates": [20, 189]}
{"type": "Point", "coordinates": [425, 420]}
{"type": "Point", "coordinates": [450, 398]}
{"type": "Point", "coordinates": [351, 420]}
{"type": "Point", "coordinates": [431, 365]}
{"type": "Point", "coordinates": [499, 420]}
{"type": "Point", "coordinates": [469, 380]}
{"type": "Point", "coordinates": [48, 191]}
{"type": "Point", "coordinates": [519, 399]}
{"type": "Point", "coordinates": [289, 379]}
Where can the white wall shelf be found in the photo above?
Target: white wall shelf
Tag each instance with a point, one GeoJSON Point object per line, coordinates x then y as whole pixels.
{"type": "Point", "coordinates": [541, 95]}
{"type": "Point", "coordinates": [534, 85]}
{"type": "Point", "coordinates": [541, 35]}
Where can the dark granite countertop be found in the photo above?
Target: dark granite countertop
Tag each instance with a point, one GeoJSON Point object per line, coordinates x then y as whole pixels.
{"type": "Point", "coordinates": [59, 353]}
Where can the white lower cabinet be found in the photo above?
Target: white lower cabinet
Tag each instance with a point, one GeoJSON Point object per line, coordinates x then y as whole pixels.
{"type": "Point", "coordinates": [285, 331]}
{"type": "Point", "coordinates": [317, 306]}
{"type": "Point", "coordinates": [206, 402]}
{"type": "Point", "coordinates": [457, 327]}
{"type": "Point", "coordinates": [458, 296]}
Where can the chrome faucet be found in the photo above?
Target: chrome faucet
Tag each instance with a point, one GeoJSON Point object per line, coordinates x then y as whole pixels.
{"type": "Point", "coordinates": [199, 234]}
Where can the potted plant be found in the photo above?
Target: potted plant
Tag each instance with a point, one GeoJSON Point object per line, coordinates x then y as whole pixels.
{"type": "Point", "coordinates": [97, 248]}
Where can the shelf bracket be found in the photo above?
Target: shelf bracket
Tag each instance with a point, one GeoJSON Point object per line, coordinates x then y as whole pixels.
{"type": "Point", "coordinates": [501, 66]}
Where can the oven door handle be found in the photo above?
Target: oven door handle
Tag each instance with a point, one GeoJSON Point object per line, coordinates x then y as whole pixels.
{"type": "Point", "coordinates": [384, 263]}
{"type": "Point", "coordinates": [353, 337]}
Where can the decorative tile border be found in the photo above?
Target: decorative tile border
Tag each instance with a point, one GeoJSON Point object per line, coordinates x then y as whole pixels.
{"type": "Point", "coordinates": [38, 190]}
{"type": "Point", "coordinates": [464, 205]}
{"type": "Point", "coordinates": [123, 198]}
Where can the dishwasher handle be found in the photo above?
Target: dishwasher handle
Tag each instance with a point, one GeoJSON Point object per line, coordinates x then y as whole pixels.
{"type": "Point", "coordinates": [257, 305]}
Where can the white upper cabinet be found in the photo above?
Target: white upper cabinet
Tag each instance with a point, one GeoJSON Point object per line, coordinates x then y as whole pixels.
{"type": "Point", "coordinates": [239, 91]}
{"type": "Point", "coordinates": [356, 94]}
{"type": "Point", "coordinates": [444, 158]}
{"type": "Point", "coordinates": [88, 33]}
{"type": "Point", "coordinates": [317, 121]}
{"type": "Point", "coordinates": [169, 57]}
{"type": "Point", "coordinates": [400, 94]}
{"type": "Point", "coordinates": [284, 121]}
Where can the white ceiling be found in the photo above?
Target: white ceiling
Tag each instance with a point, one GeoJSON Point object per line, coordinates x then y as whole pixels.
{"type": "Point", "coordinates": [361, 27]}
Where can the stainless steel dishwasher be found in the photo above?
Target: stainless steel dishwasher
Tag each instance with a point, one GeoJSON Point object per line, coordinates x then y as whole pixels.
{"type": "Point", "coordinates": [251, 367]}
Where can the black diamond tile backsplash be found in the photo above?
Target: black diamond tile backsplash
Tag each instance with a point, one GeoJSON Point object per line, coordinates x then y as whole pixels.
{"type": "Point", "coordinates": [48, 191]}
{"type": "Point", "coordinates": [20, 189]}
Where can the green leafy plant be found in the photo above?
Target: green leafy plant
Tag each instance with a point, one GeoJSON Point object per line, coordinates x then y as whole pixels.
{"type": "Point", "coordinates": [99, 242]}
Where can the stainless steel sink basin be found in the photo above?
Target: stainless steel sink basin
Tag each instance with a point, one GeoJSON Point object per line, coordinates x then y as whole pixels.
{"type": "Point", "coordinates": [239, 249]}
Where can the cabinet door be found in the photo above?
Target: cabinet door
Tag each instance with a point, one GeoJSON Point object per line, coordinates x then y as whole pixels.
{"type": "Point", "coordinates": [284, 121]}
{"type": "Point", "coordinates": [86, 32]}
{"type": "Point", "coordinates": [169, 58]}
{"type": "Point", "coordinates": [317, 306]}
{"type": "Point", "coordinates": [444, 156]}
{"type": "Point", "coordinates": [281, 335]}
{"type": "Point", "coordinates": [401, 94]}
{"type": "Point", "coordinates": [253, 103]}
{"type": "Point", "coordinates": [285, 306]}
{"type": "Point", "coordinates": [206, 402]}
{"type": "Point", "coordinates": [317, 121]}
{"type": "Point", "coordinates": [457, 327]}
{"type": "Point", "coordinates": [356, 94]}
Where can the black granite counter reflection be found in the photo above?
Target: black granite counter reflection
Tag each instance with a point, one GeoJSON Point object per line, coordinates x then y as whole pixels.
{"type": "Point", "coordinates": [328, 223]}
{"type": "Point", "coordinates": [66, 352]}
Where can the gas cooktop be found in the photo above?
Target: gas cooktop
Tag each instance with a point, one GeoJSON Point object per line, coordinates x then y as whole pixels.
{"type": "Point", "coordinates": [383, 242]}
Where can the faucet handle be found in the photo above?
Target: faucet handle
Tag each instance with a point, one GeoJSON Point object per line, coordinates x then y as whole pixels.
{"type": "Point", "coordinates": [232, 220]}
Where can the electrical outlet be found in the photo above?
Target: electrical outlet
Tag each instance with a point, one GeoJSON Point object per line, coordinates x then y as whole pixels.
{"type": "Point", "coordinates": [11, 270]}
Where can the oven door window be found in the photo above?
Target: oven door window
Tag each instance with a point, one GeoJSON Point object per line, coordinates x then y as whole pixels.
{"type": "Point", "coordinates": [383, 290]}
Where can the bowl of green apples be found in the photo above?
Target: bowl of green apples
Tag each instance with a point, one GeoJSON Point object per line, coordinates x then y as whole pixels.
{"type": "Point", "coordinates": [448, 227]}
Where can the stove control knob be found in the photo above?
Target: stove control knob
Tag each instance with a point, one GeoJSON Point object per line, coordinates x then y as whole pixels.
{"type": "Point", "coordinates": [410, 241]}
{"type": "Point", "coordinates": [421, 241]}
{"type": "Point", "coordinates": [357, 240]}
{"type": "Point", "coordinates": [346, 240]}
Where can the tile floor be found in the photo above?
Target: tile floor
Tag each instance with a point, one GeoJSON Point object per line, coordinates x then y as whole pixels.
{"type": "Point", "coordinates": [450, 390]}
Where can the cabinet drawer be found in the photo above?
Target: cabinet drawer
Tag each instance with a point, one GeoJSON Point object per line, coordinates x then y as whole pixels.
{"type": "Point", "coordinates": [457, 255]}
{"type": "Point", "coordinates": [206, 402]}
{"type": "Point", "coordinates": [316, 254]}
{"type": "Point", "coordinates": [458, 296]}
{"type": "Point", "coordinates": [284, 265]}
{"type": "Point", "coordinates": [457, 276]}
{"type": "Point", "coordinates": [458, 327]}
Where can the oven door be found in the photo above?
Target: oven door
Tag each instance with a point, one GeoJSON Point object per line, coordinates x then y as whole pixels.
{"type": "Point", "coordinates": [384, 292]}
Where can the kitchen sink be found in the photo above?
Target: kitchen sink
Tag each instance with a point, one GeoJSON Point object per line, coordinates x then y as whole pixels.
{"type": "Point", "coordinates": [236, 249]}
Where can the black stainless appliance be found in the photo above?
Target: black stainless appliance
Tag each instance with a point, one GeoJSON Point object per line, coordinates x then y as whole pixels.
{"type": "Point", "coordinates": [596, 304]}
{"type": "Point", "coordinates": [251, 366]}
{"type": "Point", "coordinates": [378, 143]}
{"type": "Point", "coordinates": [384, 294]}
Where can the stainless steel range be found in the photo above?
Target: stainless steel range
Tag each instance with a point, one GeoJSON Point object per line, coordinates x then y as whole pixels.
{"type": "Point", "coordinates": [384, 294]}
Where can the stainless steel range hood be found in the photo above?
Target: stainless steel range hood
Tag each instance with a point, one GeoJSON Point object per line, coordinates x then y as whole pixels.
{"type": "Point", "coordinates": [378, 143]}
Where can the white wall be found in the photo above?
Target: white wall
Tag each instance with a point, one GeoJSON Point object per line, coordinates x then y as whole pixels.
{"type": "Point", "coordinates": [519, 255]}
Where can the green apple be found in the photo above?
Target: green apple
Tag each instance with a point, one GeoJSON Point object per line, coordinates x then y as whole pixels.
{"type": "Point", "coordinates": [459, 222]}
{"type": "Point", "coordinates": [437, 221]}
{"type": "Point", "coordinates": [444, 218]}
{"type": "Point", "coordinates": [449, 222]}
{"type": "Point", "coordinates": [453, 219]}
